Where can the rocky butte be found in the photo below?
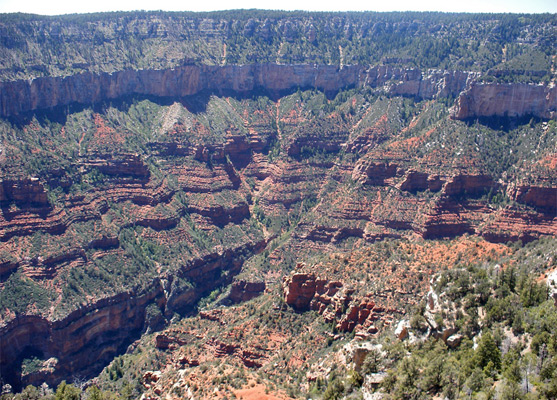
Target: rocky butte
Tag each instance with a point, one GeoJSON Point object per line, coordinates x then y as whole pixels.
{"type": "Point", "coordinates": [202, 176]}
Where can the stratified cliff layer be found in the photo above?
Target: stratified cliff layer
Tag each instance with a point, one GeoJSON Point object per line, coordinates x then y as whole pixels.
{"type": "Point", "coordinates": [474, 100]}
{"type": "Point", "coordinates": [506, 100]}
{"type": "Point", "coordinates": [273, 79]}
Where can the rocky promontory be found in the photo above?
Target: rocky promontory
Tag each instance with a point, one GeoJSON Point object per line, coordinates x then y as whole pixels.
{"type": "Point", "coordinates": [506, 100]}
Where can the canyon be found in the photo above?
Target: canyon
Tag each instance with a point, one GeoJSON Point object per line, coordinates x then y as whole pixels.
{"type": "Point", "coordinates": [174, 205]}
{"type": "Point", "coordinates": [220, 188]}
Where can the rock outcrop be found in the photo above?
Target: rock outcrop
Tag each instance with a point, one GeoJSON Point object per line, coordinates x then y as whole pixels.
{"type": "Point", "coordinates": [506, 100]}
{"type": "Point", "coordinates": [242, 290]}
{"type": "Point", "coordinates": [23, 192]}
{"type": "Point", "coordinates": [335, 302]}
{"type": "Point", "coordinates": [543, 198]}
{"type": "Point", "coordinates": [476, 100]}
{"type": "Point", "coordinates": [85, 340]}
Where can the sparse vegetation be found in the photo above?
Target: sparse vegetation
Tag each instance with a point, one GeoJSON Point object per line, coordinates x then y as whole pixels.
{"type": "Point", "coordinates": [148, 208]}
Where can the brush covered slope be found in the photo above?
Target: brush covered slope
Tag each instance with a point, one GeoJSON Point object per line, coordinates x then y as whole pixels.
{"type": "Point", "coordinates": [483, 327]}
{"type": "Point", "coordinates": [136, 183]}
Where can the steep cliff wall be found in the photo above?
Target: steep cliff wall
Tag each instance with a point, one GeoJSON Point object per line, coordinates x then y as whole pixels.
{"type": "Point", "coordinates": [84, 341]}
{"type": "Point", "coordinates": [475, 100]}
{"type": "Point", "coordinates": [88, 88]}
{"type": "Point", "coordinates": [512, 99]}
{"type": "Point", "coordinates": [81, 343]}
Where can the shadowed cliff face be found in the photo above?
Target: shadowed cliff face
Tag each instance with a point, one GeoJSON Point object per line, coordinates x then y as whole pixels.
{"type": "Point", "coordinates": [80, 344]}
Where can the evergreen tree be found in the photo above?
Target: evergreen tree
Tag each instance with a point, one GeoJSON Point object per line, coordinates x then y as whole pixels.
{"type": "Point", "coordinates": [67, 392]}
{"type": "Point", "coordinates": [488, 355]}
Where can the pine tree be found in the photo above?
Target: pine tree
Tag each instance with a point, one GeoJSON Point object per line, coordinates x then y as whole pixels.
{"type": "Point", "coordinates": [488, 355]}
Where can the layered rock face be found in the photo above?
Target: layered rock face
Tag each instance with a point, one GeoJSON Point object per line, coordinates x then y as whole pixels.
{"type": "Point", "coordinates": [244, 291]}
{"type": "Point", "coordinates": [71, 345]}
{"type": "Point", "coordinates": [88, 88]}
{"type": "Point", "coordinates": [84, 341]}
{"type": "Point", "coordinates": [508, 100]}
{"type": "Point", "coordinates": [23, 192]}
{"type": "Point", "coordinates": [335, 303]}
{"type": "Point", "coordinates": [474, 100]}
{"type": "Point", "coordinates": [77, 234]}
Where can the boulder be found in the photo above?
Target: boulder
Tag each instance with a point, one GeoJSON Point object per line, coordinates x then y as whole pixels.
{"type": "Point", "coordinates": [402, 329]}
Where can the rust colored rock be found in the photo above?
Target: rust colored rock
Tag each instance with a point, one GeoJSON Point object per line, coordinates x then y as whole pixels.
{"type": "Point", "coordinates": [159, 223]}
{"type": "Point", "coordinates": [369, 305]}
{"type": "Point", "coordinates": [223, 349]}
{"type": "Point", "coordinates": [434, 183]}
{"type": "Point", "coordinates": [445, 333]}
{"type": "Point", "coordinates": [188, 361]}
{"type": "Point", "coordinates": [163, 341]}
{"type": "Point", "coordinates": [364, 313]}
{"type": "Point", "coordinates": [544, 198]}
{"type": "Point", "coordinates": [373, 173]}
{"type": "Point", "coordinates": [151, 376]}
{"type": "Point", "coordinates": [378, 309]}
{"type": "Point", "coordinates": [415, 181]}
{"type": "Point", "coordinates": [251, 359]}
{"type": "Point", "coordinates": [333, 287]}
{"type": "Point", "coordinates": [468, 185]}
{"type": "Point", "coordinates": [23, 192]}
{"type": "Point", "coordinates": [372, 329]}
{"type": "Point", "coordinates": [511, 224]}
{"type": "Point", "coordinates": [244, 291]}
{"type": "Point", "coordinates": [119, 165]}
{"type": "Point", "coordinates": [346, 325]}
{"type": "Point", "coordinates": [353, 313]}
{"type": "Point", "coordinates": [448, 219]}
{"type": "Point", "coordinates": [299, 290]}
{"type": "Point", "coordinates": [213, 315]}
